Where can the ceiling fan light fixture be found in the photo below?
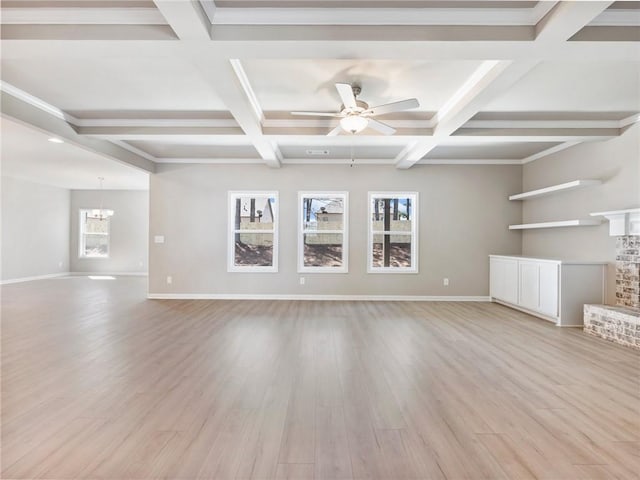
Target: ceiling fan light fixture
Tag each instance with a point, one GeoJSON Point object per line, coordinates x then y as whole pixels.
{"type": "Point", "coordinates": [354, 123]}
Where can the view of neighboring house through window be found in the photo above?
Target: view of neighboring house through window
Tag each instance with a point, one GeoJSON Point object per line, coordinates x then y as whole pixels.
{"type": "Point", "coordinates": [94, 234]}
{"type": "Point", "coordinates": [322, 235]}
{"type": "Point", "coordinates": [253, 232]}
{"type": "Point", "coordinates": [393, 232]}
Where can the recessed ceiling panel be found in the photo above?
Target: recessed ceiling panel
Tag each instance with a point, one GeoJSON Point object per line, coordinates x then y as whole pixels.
{"type": "Point", "coordinates": [286, 85]}
{"type": "Point", "coordinates": [495, 151]}
{"type": "Point", "coordinates": [98, 83]}
{"type": "Point", "coordinates": [576, 86]}
{"type": "Point", "coordinates": [27, 154]}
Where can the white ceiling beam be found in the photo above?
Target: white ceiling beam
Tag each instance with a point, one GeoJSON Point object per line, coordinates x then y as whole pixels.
{"type": "Point", "coordinates": [228, 80]}
{"type": "Point", "coordinates": [375, 16]}
{"type": "Point", "coordinates": [541, 9]}
{"type": "Point", "coordinates": [81, 16]}
{"type": "Point", "coordinates": [537, 132]}
{"type": "Point", "coordinates": [186, 17]}
{"type": "Point", "coordinates": [625, 122]}
{"type": "Point", "coordinates": [330, 123]}
{"type": "Point", "coordinates": [209, 7]}
{"type": "Point", "coordinates": [537, 124]}
{"type": "Point", "coordinates": [372, 48]}
{"type": "Point", "coordinates": [551, 136]}
{"type": "Point", "coordinates": [156, 122]}
{"type": "Point", "coordinates": [35, 116]}
{"type": "Point", "coordinates": [567, 18]}
{"type": "Point", "coordinates": [549, 151]}
{"type": "Point", "coordinates": [470, 161]}
{"type": "Point", "coordinates": [358, 33]}
{"type": "Point", "coordinates": [489, 80]}
{"type": "Point", "coordinates": [617, 18]}
{"type": "Point", "coordinates": [144, 131]}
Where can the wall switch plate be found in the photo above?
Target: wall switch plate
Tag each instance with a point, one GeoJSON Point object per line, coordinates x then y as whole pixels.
{"type": "Point", "coordinates": [59, 264]}
{"type": "Point", "coordinates": [302, 280]}
{"type": "Point", "coordinates": [158, 239]}
{"type": "Point", "coordinates": [169, 280]}
{"type": "Point", "coordinates": [445, 282]}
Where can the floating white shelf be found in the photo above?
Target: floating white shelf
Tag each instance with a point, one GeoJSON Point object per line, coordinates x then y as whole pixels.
{"type": "Point", "coordinates": [561, 223]}
{"type": "Point", "coordinates": [563, 187]}
{"type": "Point", "coordinates": [622, 222]}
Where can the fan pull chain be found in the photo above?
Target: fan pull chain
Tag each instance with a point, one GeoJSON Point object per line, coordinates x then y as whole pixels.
{"type": "Point", "coordinates": [352, 159]}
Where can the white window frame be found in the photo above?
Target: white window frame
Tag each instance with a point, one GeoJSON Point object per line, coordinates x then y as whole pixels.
{"type": "Point", "coordinates": [414, 233]}
{"type": "Point", "coordinates": [231, 231]}
{"type": "Point", "coordinates": [344, 232]}
{"type": "Point", "coordinates": [82, 233]}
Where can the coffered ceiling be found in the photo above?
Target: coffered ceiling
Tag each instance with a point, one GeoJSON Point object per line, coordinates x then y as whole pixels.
{"type": "Point", "coordinates": [179, 81]}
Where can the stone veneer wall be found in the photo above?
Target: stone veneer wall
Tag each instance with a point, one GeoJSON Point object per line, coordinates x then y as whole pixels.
{"type": "Point", "coordinates": [628, 271]}
{"type": "Point", "coordinates": [620, 324]}
{"type": "Point", "coordinates": [616, 324]}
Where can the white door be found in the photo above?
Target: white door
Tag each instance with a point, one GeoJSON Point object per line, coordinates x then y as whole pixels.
{"type": "Point", "coordinates": [529, 285]}
{"type": "Point", "coordinates": [549, 273]}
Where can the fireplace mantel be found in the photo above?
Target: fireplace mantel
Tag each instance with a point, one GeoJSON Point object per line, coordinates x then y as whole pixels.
{"type": "Point", "coordinates": [622, 222]}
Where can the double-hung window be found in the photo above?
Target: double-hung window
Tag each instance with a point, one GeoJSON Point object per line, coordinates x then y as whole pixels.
{"type": "Point", "coordinates": [253, 232]}
{"type": "Point", "coordinates": [323, 232]}
{"type": "Point", "coordinates": [393, 232]}
{"type": "Point", "coordinates": [94, 234]}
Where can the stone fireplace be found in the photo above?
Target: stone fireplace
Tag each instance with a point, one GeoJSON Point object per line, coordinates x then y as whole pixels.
{"type": "Point", "coordinates": [628, 271]}
{"type": "Point", "coordinates": [620, 323]}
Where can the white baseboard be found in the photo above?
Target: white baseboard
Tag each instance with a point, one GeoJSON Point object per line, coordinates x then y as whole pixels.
{"type": "Point", "coordinates": [368, 298]}
{"type": "Point", "coordinates": [119, 274]}
{"type": "Point", "coordinates": [30, 279]}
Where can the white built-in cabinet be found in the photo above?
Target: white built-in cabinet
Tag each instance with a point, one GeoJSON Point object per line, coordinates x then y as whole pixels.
{"type": "Point", "coordinates": [555, 290]}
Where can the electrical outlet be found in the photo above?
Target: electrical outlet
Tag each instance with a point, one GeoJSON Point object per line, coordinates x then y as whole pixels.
{"type": "Point", "coordinates": [445, 282]}
{"type": "Point", "coordinates": [59, 264]}
{"type": "Point", "coordinates": [302, 280]}
{"type": "Point", "coordinates": [169, 280]}
{"type": "Point", "coordinates": [140, 263]}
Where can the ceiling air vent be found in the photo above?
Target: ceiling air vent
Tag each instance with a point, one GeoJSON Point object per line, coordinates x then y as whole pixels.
{"type": "Point", "coordinates": [317, 153]}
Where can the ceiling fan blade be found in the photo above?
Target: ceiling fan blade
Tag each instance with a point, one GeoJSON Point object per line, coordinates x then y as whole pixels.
{"type": "Point", "coordinates": [346, 95]}
{"type": "Point", "coordinates": [335, 132]}
{"type": "Point", "coordinates": [317, 114]}
{"type": "Point", "coordinates": [393, 107]}
{"type": "Point", "coordinates": [381, 127]}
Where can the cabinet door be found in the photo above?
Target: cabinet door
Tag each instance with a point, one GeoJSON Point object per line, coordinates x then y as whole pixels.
{"type": "Point", "coordinates": [496, 278]}
{"type": "Point", "coordinates": [549, 273]}
{"type": "Point", "coordinates": [529, 285]}
{"type": "Point", "coordinates": [503, 281]}
{"type": "Point", "coordinates": [510, 291]}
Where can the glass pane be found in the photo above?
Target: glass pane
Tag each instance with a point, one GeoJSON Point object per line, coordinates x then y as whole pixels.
{"type": "Point", "coordinates": [323, 250]}
{"type": "Point", "coordinates": [254, 213]}
{"type": "Point", "coordinates": [391, 214]}
{"type": "Point", "coordinates": [96, 225]}
{"type": "Point", "coordinates": [392, 251]}
{"type": "Point", "coordinates": [96, 245]}
{"type": "Point", "coordinates": [323, 213]}
{"type": "Point", "coordinates": [254, 249]}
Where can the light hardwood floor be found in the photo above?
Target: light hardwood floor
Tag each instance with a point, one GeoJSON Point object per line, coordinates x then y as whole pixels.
{"type": "Point", "coordinates": [99, 383]}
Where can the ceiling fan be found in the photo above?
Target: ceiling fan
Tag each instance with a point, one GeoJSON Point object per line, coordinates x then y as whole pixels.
{"type": "Point", "coordinates": [356, 115]}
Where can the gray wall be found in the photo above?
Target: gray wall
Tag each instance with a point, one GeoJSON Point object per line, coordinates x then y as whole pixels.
{"type": "Point", "coordinates": [129, 246]}
{"type": "Point", "coordinates": [617, 163]}
{"type": "Point", "coordinates": [464, 213]}
{"type": "Point", "coordinates": [35, 229]}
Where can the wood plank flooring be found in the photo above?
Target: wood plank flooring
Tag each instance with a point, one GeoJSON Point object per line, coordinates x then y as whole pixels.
{"type": "Point", "coordinates": [100, 383]}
